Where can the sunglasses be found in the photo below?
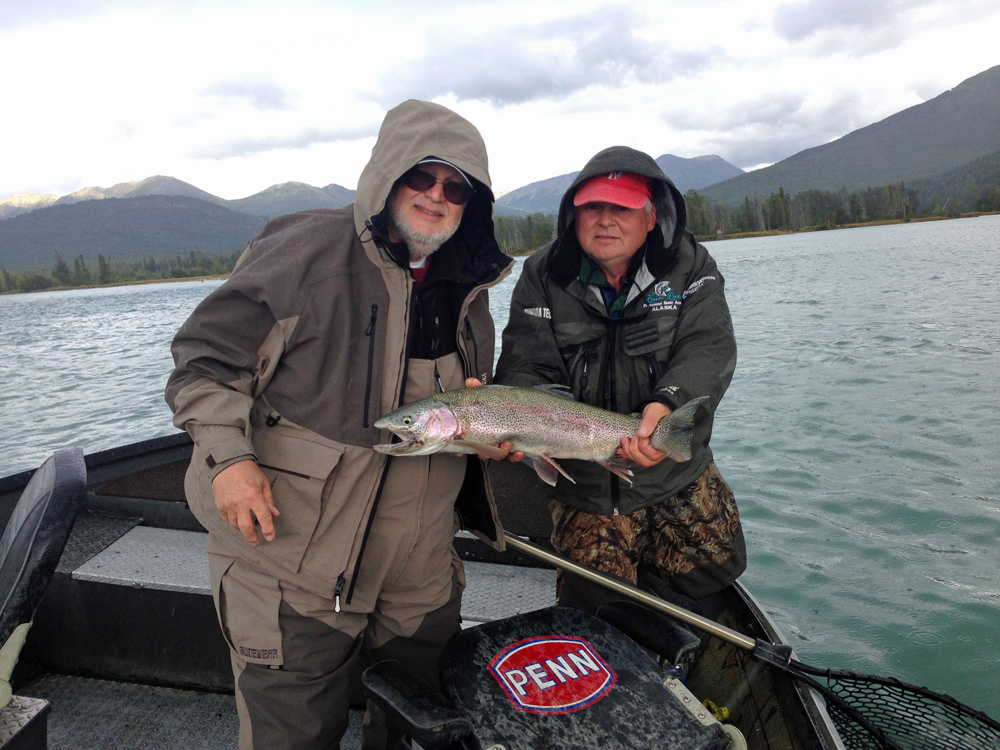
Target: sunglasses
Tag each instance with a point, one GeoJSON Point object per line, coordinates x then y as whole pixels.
{"type": "Point", "coordinates": [454, 191]}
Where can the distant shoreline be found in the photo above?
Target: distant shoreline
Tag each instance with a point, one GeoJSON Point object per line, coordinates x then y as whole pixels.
{"type": "Point", "coordinates": [883, 222]}
{"type": "Point", "coordinates": [139, 282]}
{"type": "Point", "coordinates": [735, 236]}
{"type": "Point", "coordinates": [776, 232]}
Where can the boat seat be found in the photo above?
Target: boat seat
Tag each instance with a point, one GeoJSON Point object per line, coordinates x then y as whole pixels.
{"type": "Point", "coordinates": [670, 640]}
{"type": "Point", "coordinates": [553, 677]}
{"type": "Point", "coordinates": [31, 547]}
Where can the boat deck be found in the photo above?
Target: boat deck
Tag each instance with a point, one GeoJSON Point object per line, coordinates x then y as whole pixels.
{"type": "Point", "coordinates": [126, 650]}
{"type": "Point", "coordinates": [119, 695]}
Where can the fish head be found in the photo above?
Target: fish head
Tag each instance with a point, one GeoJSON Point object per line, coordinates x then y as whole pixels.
{"type": "Point", "coordinates": [425, 426]}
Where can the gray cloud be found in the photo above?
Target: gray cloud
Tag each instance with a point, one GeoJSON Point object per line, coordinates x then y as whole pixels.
{"type": "Point", "coordinates": [549, 60]}
{"type": "Point", "coordinates": [246, 146]}
{"type": "Point", "coordinates": [261, 95]}
{"type": "Point", "coordinates": [768, 110]}
{"type": "Point", "coordinates": [772, 128]}
{"type": "Point", "coordinates": [859, 27]}
{"type": "Point", "coordinates": [797, 21]}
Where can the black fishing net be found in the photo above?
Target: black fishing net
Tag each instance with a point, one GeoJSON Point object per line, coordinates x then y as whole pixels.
{"type": "Point", "coordinates": [882, 712]}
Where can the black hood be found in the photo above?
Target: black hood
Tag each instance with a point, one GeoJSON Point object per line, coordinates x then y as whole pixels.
{"type": "Point", "coordinates": [671, 215]}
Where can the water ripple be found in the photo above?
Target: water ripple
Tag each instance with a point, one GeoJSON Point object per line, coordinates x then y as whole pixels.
{"type": "Point", "coordinates": [860, 432]}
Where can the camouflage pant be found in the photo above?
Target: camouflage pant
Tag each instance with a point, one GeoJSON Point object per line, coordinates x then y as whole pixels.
{"type": "Point", "coordinates": [693, 540]}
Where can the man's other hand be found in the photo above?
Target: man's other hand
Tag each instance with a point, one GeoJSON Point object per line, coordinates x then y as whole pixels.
{"type": "Point", "coordinates": [638, 448]}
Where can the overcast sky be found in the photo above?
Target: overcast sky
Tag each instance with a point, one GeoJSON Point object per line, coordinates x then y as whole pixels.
{"type": "Point", "coordinates": [233, 96]}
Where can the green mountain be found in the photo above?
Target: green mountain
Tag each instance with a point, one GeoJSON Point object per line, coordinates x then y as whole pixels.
{"type": "Point", "coordinates": [290, 197]}
{"type": "Point", "coordinates": [156, 215]}
{"type": "Point", "coordinates": [921, 142]}
{"type": "Point", "coordinates": [119, 227]}
{"type": "Point", "coordinates": [276, 200]}
{"type": "Point", "coordinates": [537, 197]}
{"type": "Point", "coordinates": [967, 188]}
{"type": "Point", "coordinates": [543, 196]}
{"type": "Point", "coordinates": [157, 185]}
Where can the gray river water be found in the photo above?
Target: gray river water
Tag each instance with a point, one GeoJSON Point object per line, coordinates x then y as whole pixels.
{"type": "Point", "coordinates": [860, 433]}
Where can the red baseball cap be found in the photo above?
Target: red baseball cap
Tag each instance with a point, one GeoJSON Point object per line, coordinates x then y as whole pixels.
{"type": "Point", "coordinates": [620, 188]}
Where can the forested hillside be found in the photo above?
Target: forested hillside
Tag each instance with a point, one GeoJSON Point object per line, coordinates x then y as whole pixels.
{"type": "Point", "coordinates": [543, 197]}
{"type": "Point", "coordinates": [972, 187]}
{"type": "Point", "coordinates": [123, 226]}
{"type": "Point", "coordinates": [67, 267]}
{"type": "Point", "coordinates": [918, 143]}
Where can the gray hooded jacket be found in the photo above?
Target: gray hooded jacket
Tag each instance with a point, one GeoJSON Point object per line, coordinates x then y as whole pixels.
{"type": "Point", "coordinates": [673, 342]}
{"type": "Point", "coordinates": [295, 356]}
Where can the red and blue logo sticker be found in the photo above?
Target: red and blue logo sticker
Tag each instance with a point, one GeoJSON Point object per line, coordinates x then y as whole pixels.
{"type": "Point", "coordinates": [552, 674]}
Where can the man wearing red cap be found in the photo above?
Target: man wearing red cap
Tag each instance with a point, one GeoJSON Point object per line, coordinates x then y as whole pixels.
{"type": "Point", "coordinates": [627, 309]}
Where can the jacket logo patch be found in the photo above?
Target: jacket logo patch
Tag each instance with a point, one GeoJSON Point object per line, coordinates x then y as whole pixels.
{"type": "Point", "coordinates": [662, 297]}
{"type": "Point", "coordinates": [538, 312]}
{"type": "Point", "coordinates": [552, 675]}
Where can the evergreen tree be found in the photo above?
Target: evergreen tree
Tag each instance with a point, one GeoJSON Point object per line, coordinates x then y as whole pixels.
{"type": "Point", "coordinates": [103, 270]}
{"type": "Point", "coordinates": [81, 274]}
{"type": "Point", "coordinates": [60, 272]}
{"type": "Point", "coordinates": [697, 213]}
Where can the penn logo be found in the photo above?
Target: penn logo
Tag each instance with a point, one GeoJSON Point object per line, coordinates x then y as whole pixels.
{"type": "Point", "coordinates": [552, 675]}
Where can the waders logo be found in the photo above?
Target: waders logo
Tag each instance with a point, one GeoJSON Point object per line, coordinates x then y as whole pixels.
{"type": "Point", "coordinates": [552, 675]}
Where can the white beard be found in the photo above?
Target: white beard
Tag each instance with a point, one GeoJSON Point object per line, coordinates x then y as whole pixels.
{"type": "Point", "coordinates": [420, 245]}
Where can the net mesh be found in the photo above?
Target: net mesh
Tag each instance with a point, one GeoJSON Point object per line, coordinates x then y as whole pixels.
{"type": "Point", "coordinates": [911, 717]}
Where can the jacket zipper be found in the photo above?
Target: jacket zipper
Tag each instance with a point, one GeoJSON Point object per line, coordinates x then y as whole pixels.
{"type": "Point", "coordinates": [470, 366]}
{"type": "Point", "coordinates": [385, 468]}
{"type": "Point", "coordinates": [469, 335]}
{"type": "Point", "coordinates": [609, 390]}
{"type": "Point", "coordinates": [436, 341]}
{"type": "Point", "coordinates": [651, 369]}
{"type": "Point", "coordinates": [370, 333]}
{"type": "Point", "coordinates": [437, 377]}
{"type": "Point", "coordinates": [364, 539]}
{"type": "Point", "coordinates": [336, 592]}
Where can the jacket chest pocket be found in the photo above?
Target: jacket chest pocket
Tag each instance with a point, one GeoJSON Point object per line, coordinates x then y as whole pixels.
{"type": "Point", "coordinates": [648, 344]}
{"type": "Point", "coordinates": [300, 472]}
{"type": "Point", "coordinates": [580, 345]}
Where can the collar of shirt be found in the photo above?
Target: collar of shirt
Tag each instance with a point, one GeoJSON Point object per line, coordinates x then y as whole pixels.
{"type": "Point", "coordinates": [420, 269]}
{"type": "Point", "coordinates": [592, 275]}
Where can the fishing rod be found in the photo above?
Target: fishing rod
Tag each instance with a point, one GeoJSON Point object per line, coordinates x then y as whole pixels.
{"type": "Point", "coordinates": [870, 712]}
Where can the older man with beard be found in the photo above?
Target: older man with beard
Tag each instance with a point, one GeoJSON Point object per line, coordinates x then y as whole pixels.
{"type": "Point", "coordinates": [323, 553]}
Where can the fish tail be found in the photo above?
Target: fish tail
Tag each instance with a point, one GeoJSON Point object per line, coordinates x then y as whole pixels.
{"type": "Point", "coordinates": [674, 432]}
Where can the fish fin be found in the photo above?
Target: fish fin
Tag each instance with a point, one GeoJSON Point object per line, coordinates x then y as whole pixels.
{"type": "Point", "coordinates": [547, 469]}
{"type": "Point", "coordinates": [547, 459]}
{"type": "Point", "coordinates": [673, 433]}
{"type": "Point", "coordinates": [554, 389]}
{"type": "Point", "coordinates": [545, 472]}
{"type": "Point", "coordinates": [618, 466]}
{"type": "Point", "coordinates": [493, 451]}
{"type": "Point", "coordinates": [408, 448]}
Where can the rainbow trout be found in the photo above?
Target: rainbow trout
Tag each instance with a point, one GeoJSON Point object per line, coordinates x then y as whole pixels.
{"type": "Point", "coordinates": [545, 422]}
